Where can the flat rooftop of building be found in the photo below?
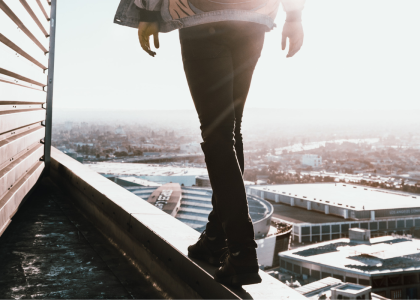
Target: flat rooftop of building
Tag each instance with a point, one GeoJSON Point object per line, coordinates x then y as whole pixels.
{"type": "Point", "coordinates": [384, 255]}
{"type": "Point", "coordinates": [323, 287]}
{"type": "Point", "coordinates": [349, 196]}
{"type": "Point", "coordinates": [299, 215]}
{"type": "Point", "coordinates": [318, 285]}
{"type": "Point", "coordinates": [140, 182]}
{"type": "Point", "coordinates": [133, 169]}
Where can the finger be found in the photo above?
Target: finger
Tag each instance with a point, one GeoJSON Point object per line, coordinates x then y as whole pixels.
{"type": "Point", "coordinates": [295, 47]}
{"type": "Point", "coordinates": [156, 40]}
{"type": "Point", "coordinates": [144, 42]}
{"type": "Point", "coordinates": [293, 50]}
{"type": "Point", "coordinates": [148, 51]}
{"type": "Point", "coordinates": [283, 41]}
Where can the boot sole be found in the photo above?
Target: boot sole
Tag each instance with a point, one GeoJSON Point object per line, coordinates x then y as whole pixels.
{"type": "Point", "coordinates": [240, 279]}
{"type": "Point", "coordinates": [209, 259]}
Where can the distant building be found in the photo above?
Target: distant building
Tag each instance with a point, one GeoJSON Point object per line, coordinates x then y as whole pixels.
{"type": "Point", "coordinates": [133, 181]}
{"type": "Point", "coordinates": [270, 157]}
{"type": "Point", "coordinates": [167, 198]}
{"type": "Point", "coordinates": [261, 181]}
{"type": "Point", "coordinates": [190, 148]}
{"type": "Point", "coordinates": [157, 173]}
{"type": "Point", "coordinates": [152, 153]}
{"type": "Point", "coordinates": [311, 160]}
{"type": "Point", "coordinates": [74, 155]}
{"type": "Point", "coordinates": [326, 211]}
{"type": "Point", "coordinates": [120, 131]}
{"type": "Point", "coordinates": [333, 289]}
{"type": "Point", "coordinates": [390, 265]}
{"type": "Point", "coordinates": [202, 181]}
{"type": "Point", "coordinates": [68, 125]}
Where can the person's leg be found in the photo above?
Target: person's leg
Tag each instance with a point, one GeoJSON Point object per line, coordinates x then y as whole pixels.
{"type": "Point", "coordinates": [209, 70]}
{"type": "Point", "coordinates": [246, 49]}
{"type": "Point", "coordinates": [245, 44]}
{"type": "Point", "coordinates": [203, 57]}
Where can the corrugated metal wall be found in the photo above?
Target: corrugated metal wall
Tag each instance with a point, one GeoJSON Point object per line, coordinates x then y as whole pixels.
{"type": "Point", "coordinates": [24, 60]}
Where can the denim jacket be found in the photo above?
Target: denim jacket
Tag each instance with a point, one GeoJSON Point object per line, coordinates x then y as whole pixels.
{"type": "Point", "coordinates": [176, 14]}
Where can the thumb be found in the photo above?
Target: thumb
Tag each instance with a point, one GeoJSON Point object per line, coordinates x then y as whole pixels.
{"type": "Point", "coordinates": [283, 41]}
{"type": "Point", "coordinates": [156, 39]}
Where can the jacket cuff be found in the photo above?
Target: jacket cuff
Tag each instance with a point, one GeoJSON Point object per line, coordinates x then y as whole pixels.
{"type": "Point", "coordinates": [149, 16]}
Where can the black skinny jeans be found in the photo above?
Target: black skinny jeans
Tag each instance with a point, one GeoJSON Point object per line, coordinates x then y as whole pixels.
{"type": "Point", "coordinates": [219, 60]}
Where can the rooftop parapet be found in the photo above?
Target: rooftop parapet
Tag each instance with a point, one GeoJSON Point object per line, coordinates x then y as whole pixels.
{"type": "Point", "coordinates": [150, 238]}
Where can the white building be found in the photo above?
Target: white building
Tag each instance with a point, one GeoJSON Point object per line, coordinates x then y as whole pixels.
{"type": "Point", "coordinates": [190, 148]}
{"type": "Point", "coordinates": [312, 160]}
{"type": "Point", "coordinates": [390, 265]}
{"type": "Point", "coordinates": [120, 131]}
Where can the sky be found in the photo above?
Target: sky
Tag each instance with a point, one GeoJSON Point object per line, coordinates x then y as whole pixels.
{"type": "Point", "coordinates": [357, 54]}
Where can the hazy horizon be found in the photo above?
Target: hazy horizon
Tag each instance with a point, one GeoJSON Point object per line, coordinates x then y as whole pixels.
{"type": "Point", "coordinates": [269, 124]}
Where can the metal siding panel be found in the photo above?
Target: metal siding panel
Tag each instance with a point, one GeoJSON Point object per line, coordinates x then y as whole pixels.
{"type": "Point", "coordinates": [285, 199]}
{"type": "Point", "coordinates": [12, 76]}
{"type": "Point", "coordinates": [300, 203]}
{"type": "Point", "coordinates": [16, 169]}
{"type": "Point", "coordinates": [45, 9]}
{"type": "Point", "coordinates": [337, 211]}
{"type": "Point", "coordinates": [26, 23]}
{"type": "Point", "coordinates": [11, 201]}
{"type": "Point", "coordinates": [36, 14]}
{"type": "Point", "coordinates": [19, 51]}
{"type": "Point", "coordinates": [11, 31]}
{"type": "Point", "coordinates": [12, 92]}
{"type": "Point", "coordinates": [318, 207]}
{"type": "Point", "coordinates": [16, 144]}
{"type": "Point", "coordinates": [12, 133]}
{"type": "Point", "coordinates": [16, 105]}
{"type": "Point", "coordinates": [16, 63]}
{"type": "Point", "coordinates": [15, 119]}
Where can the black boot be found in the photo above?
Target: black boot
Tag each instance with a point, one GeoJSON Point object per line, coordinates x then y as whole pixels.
{"type": "Point", "coordinates": [208, 249]}
{"type": "Point", "coordinates": [239, 268]}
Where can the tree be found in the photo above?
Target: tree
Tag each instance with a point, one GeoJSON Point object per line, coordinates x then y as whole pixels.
{"type": "Point", "coordinates": [138, 152]}
{"type": "Point", "coordinates": [120, 154]}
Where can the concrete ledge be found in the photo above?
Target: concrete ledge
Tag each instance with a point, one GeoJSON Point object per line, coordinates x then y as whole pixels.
{"type": "Point", "coordinates": [153, 240]}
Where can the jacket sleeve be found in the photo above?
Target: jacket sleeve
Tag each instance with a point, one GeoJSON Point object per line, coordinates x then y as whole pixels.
{"type": "Point", "coordinates": [149, 16]}
{"type": "Point", "coordinates": [151, 5]}
{"type": "Point", "coordinates": [293, 5]}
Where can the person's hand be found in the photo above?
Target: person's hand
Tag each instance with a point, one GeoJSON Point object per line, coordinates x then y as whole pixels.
{"type": "Point", "coordinates": [146, 29]}
{"type": "Point", "coordinates": [293, 31]}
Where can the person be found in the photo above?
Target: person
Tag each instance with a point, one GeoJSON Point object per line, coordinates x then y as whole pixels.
{"type": "Point", "coordinates": [221, 42]}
